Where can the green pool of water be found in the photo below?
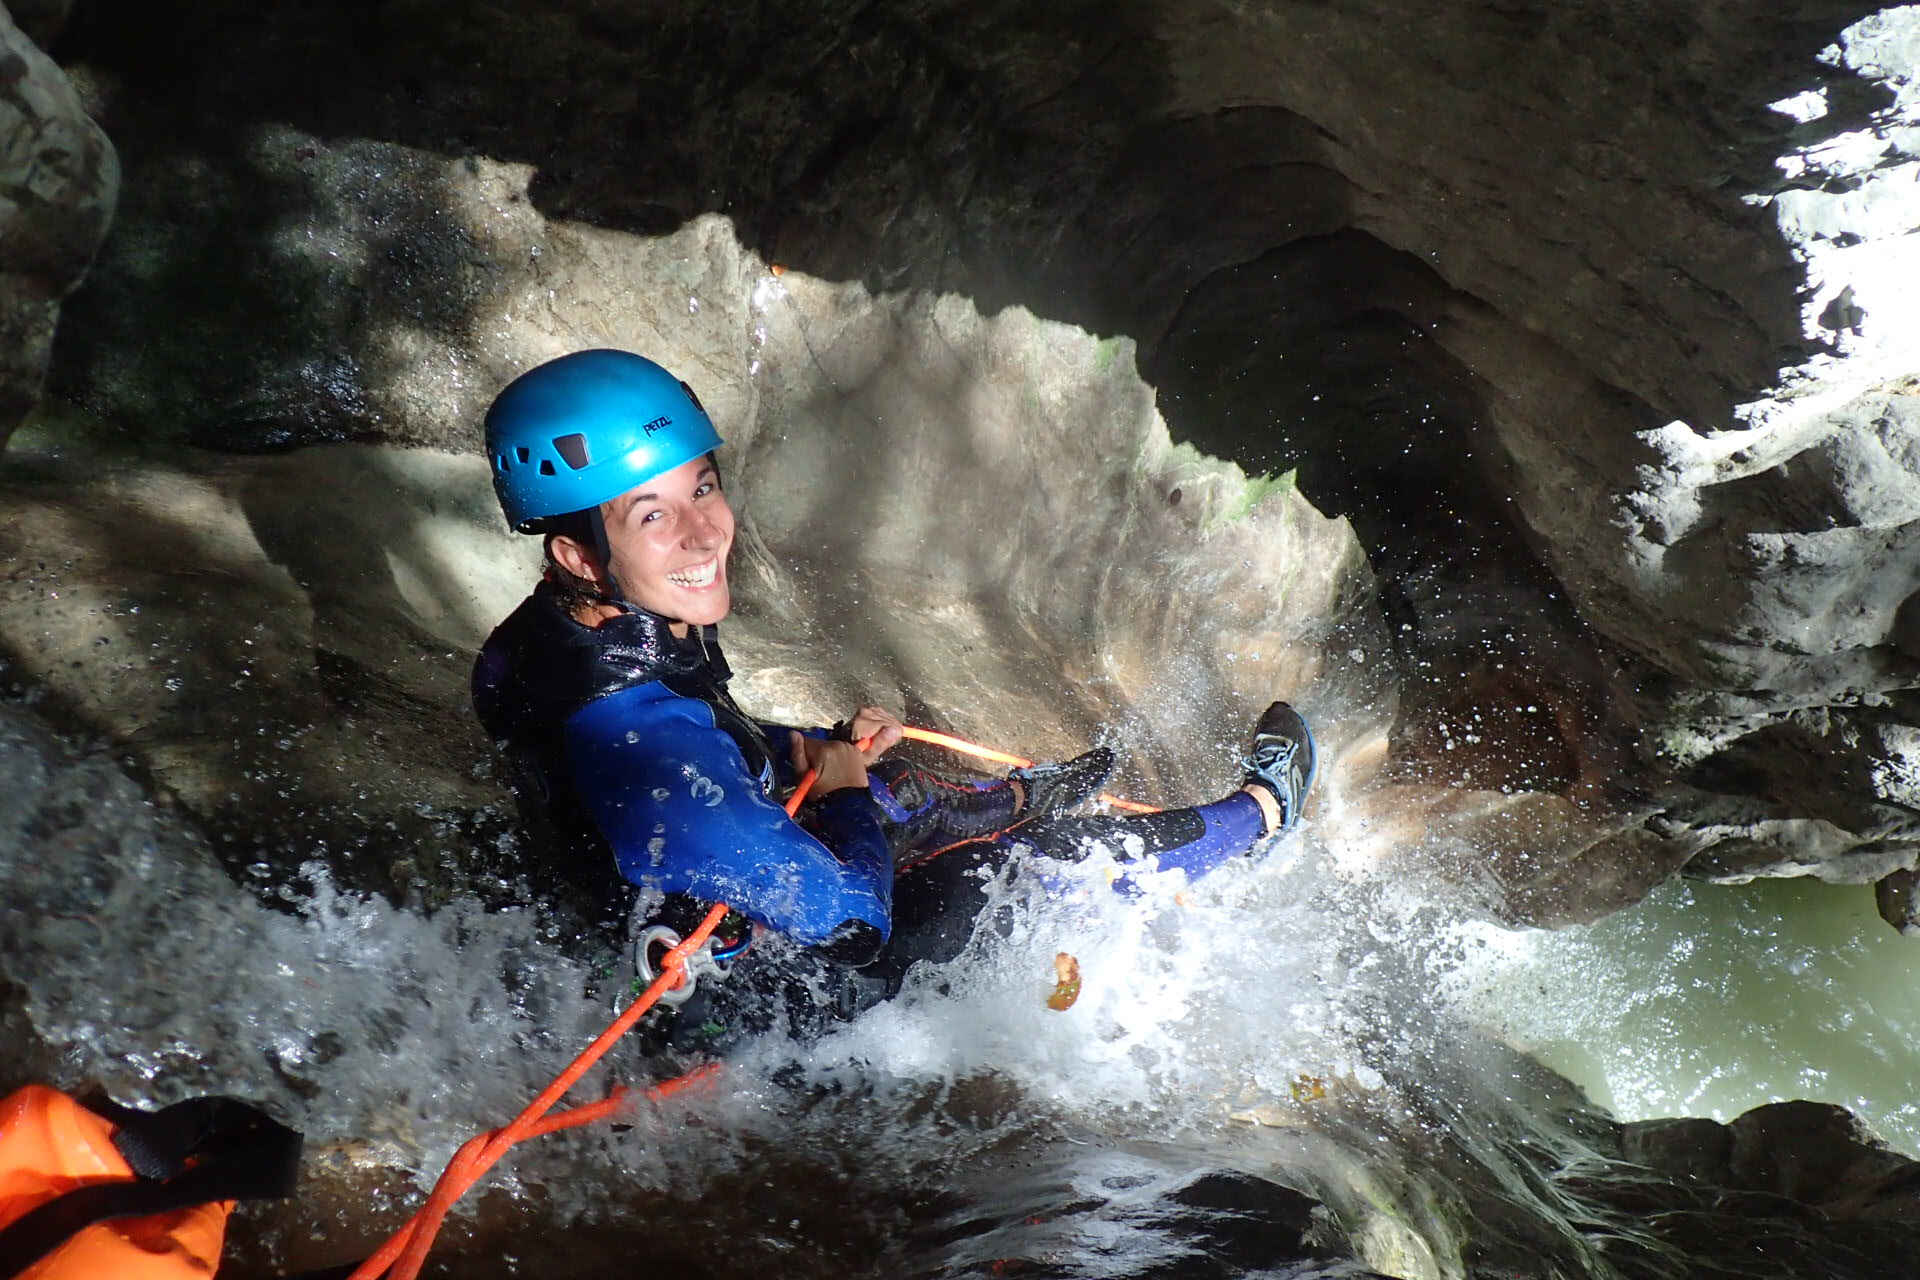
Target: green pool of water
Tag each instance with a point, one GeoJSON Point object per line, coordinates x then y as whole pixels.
{"type": "Point", "coordinates": [1707, 1000]}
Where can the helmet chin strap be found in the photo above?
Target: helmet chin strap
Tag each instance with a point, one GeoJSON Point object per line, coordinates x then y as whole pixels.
{"type": "Point", "coordinates": [603, 551]}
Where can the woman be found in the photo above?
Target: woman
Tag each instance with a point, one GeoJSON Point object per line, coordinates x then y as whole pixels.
{"type": "Point", "coordinates": [607, 690]}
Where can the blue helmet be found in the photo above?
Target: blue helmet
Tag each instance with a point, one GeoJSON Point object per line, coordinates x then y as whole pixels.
{"type": "Point", "coordinates": [577, 431]}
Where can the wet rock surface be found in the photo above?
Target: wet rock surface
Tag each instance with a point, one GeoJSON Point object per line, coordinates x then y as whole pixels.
{"type": "Point", "coordinates": [1794, 1184]}
{"type": "Point", "coordinates": [1814, 1154]}
{"type": "Point", "coordinates": [140, 965]}
{"type": "Point", "coordinates": [59, 178]}
{"type": "Point", "coordinates": [282, 689]}
{"type": "Point", "coordinates": [1622, 337]}
{"type": "Point", "coordinates": [1589, 328]}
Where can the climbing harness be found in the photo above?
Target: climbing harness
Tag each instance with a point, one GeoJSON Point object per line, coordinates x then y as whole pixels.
{"type": "Point", "coordinates": [99, 1190]}
{"type": "Point", "coordinates": [405, 1252]}
{"type": "Point", "coordinates": [402, 1256]}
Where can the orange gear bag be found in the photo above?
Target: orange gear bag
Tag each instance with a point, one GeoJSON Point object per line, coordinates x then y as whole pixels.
{"type": "Point", "coordinates": [72, 1206]}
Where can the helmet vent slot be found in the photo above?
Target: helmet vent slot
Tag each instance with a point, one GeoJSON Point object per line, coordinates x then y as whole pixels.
{"type": "Point", "coordinates": [524, 454]}
{"type": "Point", "coordinates": [546, 467]}
{"type": "Point", "coordinates": [572, 450]}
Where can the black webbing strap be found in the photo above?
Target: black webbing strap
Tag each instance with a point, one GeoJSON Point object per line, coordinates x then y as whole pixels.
{"type": "Point", "coordinates": [237, 1152]}
{"type": "Point", "coordinates": [603, 549]}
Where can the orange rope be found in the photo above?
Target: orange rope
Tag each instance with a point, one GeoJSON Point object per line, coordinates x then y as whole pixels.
{"type": "Point", "coordinates": [405, 1252]}
{"type": "Point", "coordinates": [952, 743]}
{"type": "Point", "coordinates": [473, 1160]}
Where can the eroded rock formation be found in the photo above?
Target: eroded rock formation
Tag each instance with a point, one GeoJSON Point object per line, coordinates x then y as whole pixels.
{"type": "Point", "coordinates": [1816, 1154]}
{"type": "Point", "coordinates": [1033, 564]}
{"type": "Point", "coordinates": [58, 181]}
{"type": "Point", "coordinates": [1594, 325]}
{"type": "Point", "coordinates": [1591, 326]}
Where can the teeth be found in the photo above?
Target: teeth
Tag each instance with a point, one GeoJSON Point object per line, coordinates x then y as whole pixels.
{"type": "Point", "coordinates": [699, 576]}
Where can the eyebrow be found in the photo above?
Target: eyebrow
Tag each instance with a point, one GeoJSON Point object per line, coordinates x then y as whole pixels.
{"type": "Point", "coordinates": [701, 474]}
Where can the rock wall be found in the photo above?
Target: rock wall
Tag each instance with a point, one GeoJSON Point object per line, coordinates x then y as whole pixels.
{"type": "Point", "coordinates": [1592, 322]}
{"type": "Point", "coordinates": [1588, 324]}
{"type": "Point", "coordinates": [979, 520]}
{"type": "Point", "coordinates": [58, 181]}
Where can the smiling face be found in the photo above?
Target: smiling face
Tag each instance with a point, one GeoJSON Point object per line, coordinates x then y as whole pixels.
{"type": "Point", "coordinates": [669, 539]}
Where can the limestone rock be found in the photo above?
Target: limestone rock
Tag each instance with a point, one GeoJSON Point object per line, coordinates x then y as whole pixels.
{"type": "Point", "coordinates": [1626, 332]}
{"type": "Point", "coordinates": [276, 643]}
{"type": "Point", "coordinates": [40, 20]}
{"type": "Point", "coordinates": [1898, 899]}
{"type": "Point", "coordinates": [980, 520]}
{"type": "Point", "coordinates": [58, 181]}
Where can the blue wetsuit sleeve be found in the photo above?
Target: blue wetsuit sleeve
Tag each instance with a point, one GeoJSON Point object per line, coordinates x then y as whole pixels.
{"type": "Point", "coordinates": [671, 793]}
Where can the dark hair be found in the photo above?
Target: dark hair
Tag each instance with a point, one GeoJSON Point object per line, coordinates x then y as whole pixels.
{"type": "Point", "coordinates": [575, 591]}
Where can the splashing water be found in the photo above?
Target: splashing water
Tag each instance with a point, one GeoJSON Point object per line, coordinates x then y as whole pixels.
{"type": "Point", "coordinates": [147, 968]}
{"type": "Point", "coordinates": [1185, 1008]}
{"type": "Point", "coordinates": [143, 966]}
{"type": "Point", "coordinates": [1270, 1027]}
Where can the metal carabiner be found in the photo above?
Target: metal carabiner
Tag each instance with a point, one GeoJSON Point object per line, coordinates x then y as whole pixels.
{"type": "Point", "coordinates": [699, 962]}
